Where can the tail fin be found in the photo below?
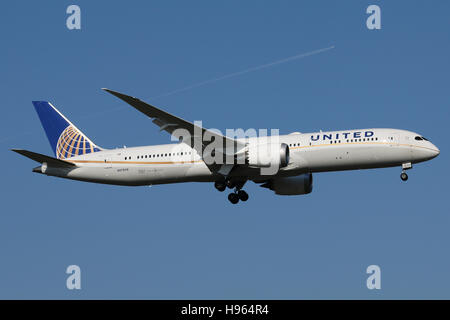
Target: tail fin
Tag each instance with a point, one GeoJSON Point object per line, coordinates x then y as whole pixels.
{"type": "Point", "coordinates": [65, 139]}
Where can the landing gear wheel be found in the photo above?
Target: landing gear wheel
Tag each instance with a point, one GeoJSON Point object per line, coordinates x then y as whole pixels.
{"type": "Point", "coordinates": [404, 176]}
{"type": "Point", "coordinates": [243, 196]}
{"type": "Point", "coordinates": [219, 185]}
{"type": "Point", "coordinates": [233, 197]}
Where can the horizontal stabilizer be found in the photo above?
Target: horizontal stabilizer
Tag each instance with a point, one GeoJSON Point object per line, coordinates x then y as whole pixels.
{"type": "Point", "coordinates": [41, 158]}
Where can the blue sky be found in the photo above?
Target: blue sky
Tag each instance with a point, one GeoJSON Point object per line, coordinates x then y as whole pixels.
{"type": "Point", "coordinates": [187, 240]}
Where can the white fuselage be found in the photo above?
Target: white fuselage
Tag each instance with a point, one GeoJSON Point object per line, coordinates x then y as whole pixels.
{"type": "Point", "coordinates": [309, 152]}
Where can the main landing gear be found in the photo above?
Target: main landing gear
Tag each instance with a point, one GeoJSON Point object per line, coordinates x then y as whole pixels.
{"type": "Point", "coordinates": [405, 166]}
{"type": "Point", "coordinates": [238, 193]}
{"type": "Point", "coordinates": [220, 185]}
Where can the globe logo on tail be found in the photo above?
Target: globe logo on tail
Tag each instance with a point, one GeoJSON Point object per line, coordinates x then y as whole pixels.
{"type": "Point", "coordinates": [73, 143]}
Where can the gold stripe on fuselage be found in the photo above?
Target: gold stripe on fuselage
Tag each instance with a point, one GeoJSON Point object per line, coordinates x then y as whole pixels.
{"type": "Point", "coordinates": [198, 161]}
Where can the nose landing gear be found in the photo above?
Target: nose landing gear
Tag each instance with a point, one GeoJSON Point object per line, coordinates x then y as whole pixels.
{"type": "Point", "coordinates": [405, 166]}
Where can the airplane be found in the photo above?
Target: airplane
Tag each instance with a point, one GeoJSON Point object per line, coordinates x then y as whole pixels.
{"type": "Point", "coordinates": [296, 156]}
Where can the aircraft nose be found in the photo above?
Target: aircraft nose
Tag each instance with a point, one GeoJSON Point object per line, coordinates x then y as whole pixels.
{"type": "Point", "coordinates": [437, 151]}
{"type": "Point", "coordinates": [434, 151]}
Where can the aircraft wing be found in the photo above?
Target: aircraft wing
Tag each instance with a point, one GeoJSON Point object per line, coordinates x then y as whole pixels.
{"type": "Point", "coordinates": [169, 123]}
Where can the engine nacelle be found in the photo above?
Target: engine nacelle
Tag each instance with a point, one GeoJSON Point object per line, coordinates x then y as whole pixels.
{"type": "Point", "coordinates": [289, 186]}
{"type": "Point", "coordinates": [268, 154]}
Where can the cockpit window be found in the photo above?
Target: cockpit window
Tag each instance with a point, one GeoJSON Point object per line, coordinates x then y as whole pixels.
{"type": "Point", "coordinates": [418, 138]}
{"type": "Point", "coordinates": [424, 138]}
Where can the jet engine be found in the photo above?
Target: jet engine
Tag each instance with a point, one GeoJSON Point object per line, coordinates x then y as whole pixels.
{"type": "Point", "coordinates": [268, 154]}
{"type": "Point", "coordinates": [289, 186]}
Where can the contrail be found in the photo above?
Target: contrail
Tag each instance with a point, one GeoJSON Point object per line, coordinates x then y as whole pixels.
{"type": "Point", "coordinates": [227, 76]}
{"type": "Point", "coordinates": [234, 74]}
